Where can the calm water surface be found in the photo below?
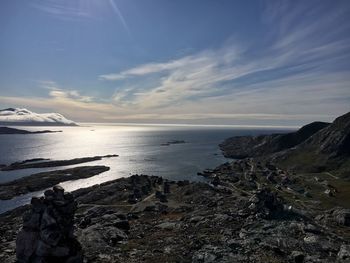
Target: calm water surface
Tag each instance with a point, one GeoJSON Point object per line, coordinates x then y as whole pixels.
{"type": "Point", "coordinates": [138, 146]}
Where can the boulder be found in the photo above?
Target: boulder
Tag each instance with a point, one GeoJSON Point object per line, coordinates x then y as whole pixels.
{"type": "Point", "coordinates": [122, 224]}
{"type": "Point", "coordinates": [342, 216]}
{"type": "Point", "coordinates": [297, 256]}
{"type": "Point", "coordinates": [344, 252]}
{"type": "Point", "coordinates": [168, 225]}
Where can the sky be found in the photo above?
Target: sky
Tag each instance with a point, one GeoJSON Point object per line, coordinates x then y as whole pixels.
{"type": "Point", "coordinates": [216, 62]}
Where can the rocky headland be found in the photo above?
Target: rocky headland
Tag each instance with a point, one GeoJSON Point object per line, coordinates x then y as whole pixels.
{"type": "Point", "coordinates": [316, 147]}
{"type": "Point", "coordinates": [256, 209]}
{"type": "Point", "coordinates": [7, 130]}
{"type": "Point", "coordinates": [255, 146]}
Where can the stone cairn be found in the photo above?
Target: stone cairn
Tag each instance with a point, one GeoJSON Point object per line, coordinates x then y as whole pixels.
{"type": "Point", "coordinates": [266, 204]}
{"type": "Point", "coordinates": [47, 232]}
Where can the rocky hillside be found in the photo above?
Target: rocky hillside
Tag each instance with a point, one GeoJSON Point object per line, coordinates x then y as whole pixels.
{"type": "Point", "coordinates": [326, 150]}
{"type": "Point", "coordinates": [334, 140]}
{"type": "Point", "coordinates": [251, 146]}
{"type": "Point", "coordinates": [316, 147]}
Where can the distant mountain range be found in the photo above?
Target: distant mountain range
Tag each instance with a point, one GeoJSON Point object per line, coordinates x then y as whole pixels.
{"type": "Point", "coordinates": [315, 147]}
{"type": "Point", "coordinates": [19, 117]}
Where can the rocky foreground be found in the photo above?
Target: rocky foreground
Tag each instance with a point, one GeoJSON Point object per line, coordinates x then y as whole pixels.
{"type": "Point", "coordinates": [241, 216]}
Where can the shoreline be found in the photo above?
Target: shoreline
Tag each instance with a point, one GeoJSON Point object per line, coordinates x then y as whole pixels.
{"type": "Point", "coordinates": [261, 208]}
{"type": "Point", "coordinates": [161, 218]}
{"type": "Point", "coordinates": [41, 181]}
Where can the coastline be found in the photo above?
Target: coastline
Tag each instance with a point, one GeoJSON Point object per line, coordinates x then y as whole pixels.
{"type": "Point", "coordinates": [261, 211]}
{"type": "Point", "coordinates": [250, 221]}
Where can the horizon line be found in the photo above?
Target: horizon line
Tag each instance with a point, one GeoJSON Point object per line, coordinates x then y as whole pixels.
{"type": "Point", "coordinates": [191, 125]}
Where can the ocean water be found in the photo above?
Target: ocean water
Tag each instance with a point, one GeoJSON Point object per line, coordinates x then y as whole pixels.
{"type": "Point", "coordinates": [139, 148]}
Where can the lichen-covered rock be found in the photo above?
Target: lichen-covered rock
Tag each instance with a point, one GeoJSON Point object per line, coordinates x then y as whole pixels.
{"type": "Point", "coordinates": [344, 252]}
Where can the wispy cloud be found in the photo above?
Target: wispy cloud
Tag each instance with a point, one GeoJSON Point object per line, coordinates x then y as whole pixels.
{"type": "Point", "coordinates": [56, 91]}
{"type": "Point", "coordinates": [154, 68]}
{"type": "Point", "coordinates": [80, 9]}
{"type": "Point", "coordinates": [298, 72]}
{"type": "Point", "coordinates": [307, 48]}
{"type": "Point", "coordinates": [66, 10]}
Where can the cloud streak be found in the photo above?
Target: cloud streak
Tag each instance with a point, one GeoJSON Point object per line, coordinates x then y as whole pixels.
{"type": "Point", "coordinates": [297, 73]}
{"type": "Point", "coordinates": [65, 10]}
{"type": "Point", "coordinates": [298, 60]}
{"type": "Point", "coordinates": [120, 16]}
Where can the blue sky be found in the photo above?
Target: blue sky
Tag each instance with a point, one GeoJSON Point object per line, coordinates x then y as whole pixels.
{"type": "Point", "coordinates": [186, 61]}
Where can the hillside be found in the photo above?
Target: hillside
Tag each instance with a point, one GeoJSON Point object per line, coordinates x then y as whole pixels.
{"type": "Point", "coordinates": [316, 147]}
{"type": "Point", "coordinates": [253, 146]}
{"type": "Point", "coordinates": [326, 150]}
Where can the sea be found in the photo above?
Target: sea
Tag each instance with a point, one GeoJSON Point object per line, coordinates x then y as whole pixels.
{"type": "Point", "coordinates": [142, 149]}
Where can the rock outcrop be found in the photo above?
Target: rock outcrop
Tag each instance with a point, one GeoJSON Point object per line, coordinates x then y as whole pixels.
{"type": "Point", "coordinates": [251, 146]}
{"type": "Point", "coordinates": [326, 150]}
{"type": "Point", "coordinates": [47, 232]}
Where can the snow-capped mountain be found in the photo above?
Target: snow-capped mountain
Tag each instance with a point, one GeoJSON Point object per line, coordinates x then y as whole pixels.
{"type": "Point", "coordinates": [17, 116]}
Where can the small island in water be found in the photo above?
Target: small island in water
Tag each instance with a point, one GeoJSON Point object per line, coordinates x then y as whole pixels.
{"type": "Point", "coordinates": [173, 142]}
{"type": "Point", "coordinates": [282, 198]}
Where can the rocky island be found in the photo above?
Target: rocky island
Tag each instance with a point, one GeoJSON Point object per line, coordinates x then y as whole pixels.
{"type": "Point", "coordinates": [173, 142]}
{"type": "Point", "coordinates": [290, 204]}
{"type": "Point", "coordinates": [45, 163]}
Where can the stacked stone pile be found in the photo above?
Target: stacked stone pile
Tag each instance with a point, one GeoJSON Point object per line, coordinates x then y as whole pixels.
{"type": "Point", "coordinates": [47, 232]}
{"type": "Point", "coordinates": [265, 204]}
{"type": "Point", "coordinates": [141, 187]}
